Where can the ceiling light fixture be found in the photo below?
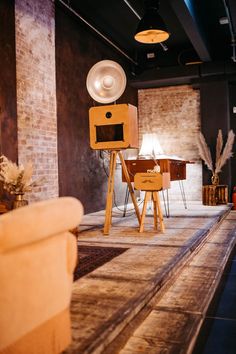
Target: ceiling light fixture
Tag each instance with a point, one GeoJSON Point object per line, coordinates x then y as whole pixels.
{"type": "Point", "coordinates": [151, 28]}
{"type": "Point", "coordinates": [150, 147]}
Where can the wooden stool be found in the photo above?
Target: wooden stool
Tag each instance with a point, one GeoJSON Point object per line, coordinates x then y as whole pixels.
{"type": "Point", "coordinates": [151, 183]}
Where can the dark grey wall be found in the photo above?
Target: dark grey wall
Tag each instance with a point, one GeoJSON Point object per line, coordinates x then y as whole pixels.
{"type": "Point", "coordinates": [81, 172]}
{"type": "Point", "coordinates": [232, 104]}
{"type": "Point", "coordinates": [215, 115]}
{"type": "Point", "coordinates": [8, 117]}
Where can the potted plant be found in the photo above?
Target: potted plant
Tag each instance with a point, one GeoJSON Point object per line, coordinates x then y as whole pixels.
{"type": "Point", "coordinates": [222, 154]}
{"type": "Point", "coordinates": [17, 180]}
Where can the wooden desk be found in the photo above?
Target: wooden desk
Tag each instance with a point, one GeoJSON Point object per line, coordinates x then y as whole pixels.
{"type": "Point", "coordinates": [176, 168]}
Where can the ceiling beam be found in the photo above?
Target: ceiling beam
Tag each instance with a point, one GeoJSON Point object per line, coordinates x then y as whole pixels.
{"type": "Point", "coordinates": [165, 77]}
{"type": "Point", "coordinates": [177, 75]}
{"type": "Point", "coordinates": [185, 13]}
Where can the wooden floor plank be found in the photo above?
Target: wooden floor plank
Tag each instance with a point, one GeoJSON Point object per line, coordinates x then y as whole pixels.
{"type": "Point", "coordinates": [110, 297]}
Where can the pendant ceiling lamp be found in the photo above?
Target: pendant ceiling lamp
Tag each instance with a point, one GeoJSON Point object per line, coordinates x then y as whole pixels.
{"type": "Point", "coordinates": [151, 28]}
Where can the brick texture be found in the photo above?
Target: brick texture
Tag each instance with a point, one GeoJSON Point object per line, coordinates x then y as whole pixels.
{"type": "Point", "coordinates": [36, 92]}
{"type": "Point", "coordinates": [174, 114]}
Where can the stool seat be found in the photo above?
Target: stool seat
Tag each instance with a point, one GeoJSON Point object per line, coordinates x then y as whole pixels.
{"type": "Point", "coordinates": [151, 183]}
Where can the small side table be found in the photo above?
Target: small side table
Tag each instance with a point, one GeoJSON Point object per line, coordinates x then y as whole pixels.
{"type": "Point", "coordinates": [215, 194]}
{"type": "Point", "coordinates": [151, 183]}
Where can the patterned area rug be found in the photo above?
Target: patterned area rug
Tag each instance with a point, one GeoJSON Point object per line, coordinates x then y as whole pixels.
{"type": "Point", "coordinates": [92, 257]}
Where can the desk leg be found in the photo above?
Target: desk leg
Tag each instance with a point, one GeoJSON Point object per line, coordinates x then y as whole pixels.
{"type": "Point", "coordinates": [126, 200]}
{"type": "Point", "coordinates": [166, 202]}
{"type": "Point", "coordinates": [181, 187]}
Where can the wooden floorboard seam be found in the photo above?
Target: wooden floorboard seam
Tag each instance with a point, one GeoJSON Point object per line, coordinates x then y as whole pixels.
{"type": "Point", "coordinates": [127, 295]}
{"type": "Point", "coordinates": [183, 306]}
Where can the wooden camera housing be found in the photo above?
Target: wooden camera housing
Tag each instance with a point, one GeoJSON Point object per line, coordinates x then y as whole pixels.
{"type": "Point", "coordinates": [113, 127]}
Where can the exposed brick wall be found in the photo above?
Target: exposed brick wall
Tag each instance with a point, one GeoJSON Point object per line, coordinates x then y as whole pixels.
{"type": "Point", "coordinates": [36, 92]}
{"type": "Point", "coordinates": [174, 114]}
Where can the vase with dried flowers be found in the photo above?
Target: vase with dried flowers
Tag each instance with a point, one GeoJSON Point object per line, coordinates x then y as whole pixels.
{"type": "Point", "coordinates": [17, 180]}
{"type": "Point", "coordinates": [222, 154]}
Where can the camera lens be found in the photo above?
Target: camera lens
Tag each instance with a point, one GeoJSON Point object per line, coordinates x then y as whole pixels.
{"type": "Point", "coordinates": [108, 115]}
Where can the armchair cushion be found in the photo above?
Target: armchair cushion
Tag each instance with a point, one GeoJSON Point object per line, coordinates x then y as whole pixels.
{"type": "Point", "coordinates": [37, 258]}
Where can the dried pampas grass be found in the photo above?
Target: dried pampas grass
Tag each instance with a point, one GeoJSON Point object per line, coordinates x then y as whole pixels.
{"type": "Point", "coordinates": [219, 144]}
{"type": "Point", "coordinates": [204, 151]}
{"type": "Point", "coordinates": [227, 152]}
{"type": "Point", "coordinates": [221, 157]}
{"type": "Point", "coordinates": [17, 179]}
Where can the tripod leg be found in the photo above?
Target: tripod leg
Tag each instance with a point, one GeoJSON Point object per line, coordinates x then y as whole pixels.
{"type": "Point", "coordinates": [126, 174]}
{"type": "Point", "coordinates": [110, 190]}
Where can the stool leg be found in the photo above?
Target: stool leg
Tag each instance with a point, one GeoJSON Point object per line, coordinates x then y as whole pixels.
{"type": "Point", "coordinates": [162, 226]}
{"type": "Point", "coordinates": [146, 198]}
{"type": "Point", "coordinates": [155, 210]}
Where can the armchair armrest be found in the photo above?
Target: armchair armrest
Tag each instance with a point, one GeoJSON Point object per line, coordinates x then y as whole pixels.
{"type": "Point", "coordinates": [18, 226]}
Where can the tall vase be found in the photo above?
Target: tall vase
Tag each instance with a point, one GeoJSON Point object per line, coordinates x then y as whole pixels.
{"type": "Point", "coordinates": [19, 201]}
{"type": "Point", "coordinates": [215, 179]}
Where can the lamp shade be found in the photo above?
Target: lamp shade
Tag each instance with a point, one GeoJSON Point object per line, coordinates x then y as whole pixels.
{"type": "Point", "coordinates": [151, 28]}
{"type": "Point", "coordinates": [150, 147]}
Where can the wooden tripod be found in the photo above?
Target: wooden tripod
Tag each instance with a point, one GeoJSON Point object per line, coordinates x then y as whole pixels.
{"type": "Point", "coordinates": [110, 190]}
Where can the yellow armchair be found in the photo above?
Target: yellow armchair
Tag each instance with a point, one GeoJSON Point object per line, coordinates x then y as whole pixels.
{"type": "Point", "coordinates": [37, 258]}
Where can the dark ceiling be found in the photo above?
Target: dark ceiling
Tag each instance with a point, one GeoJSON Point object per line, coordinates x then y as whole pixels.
{"type": "Point", "coordinates": [196, 33]}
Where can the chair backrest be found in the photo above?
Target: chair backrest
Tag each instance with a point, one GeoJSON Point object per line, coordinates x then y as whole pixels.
{"type": "Point", "coordinates": [37, 258]}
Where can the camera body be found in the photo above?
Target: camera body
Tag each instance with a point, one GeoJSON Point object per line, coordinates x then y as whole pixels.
{"type": "Point", "coordinates": [113, 127]}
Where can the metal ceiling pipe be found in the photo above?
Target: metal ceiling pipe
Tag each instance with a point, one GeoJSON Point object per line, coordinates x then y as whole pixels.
{"type": "Point", "coordinates": [98, 32]}
{"type": "Point", "coordinates": [232, 34]}
{"type": "Point", "coordinates": [132, 9]}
